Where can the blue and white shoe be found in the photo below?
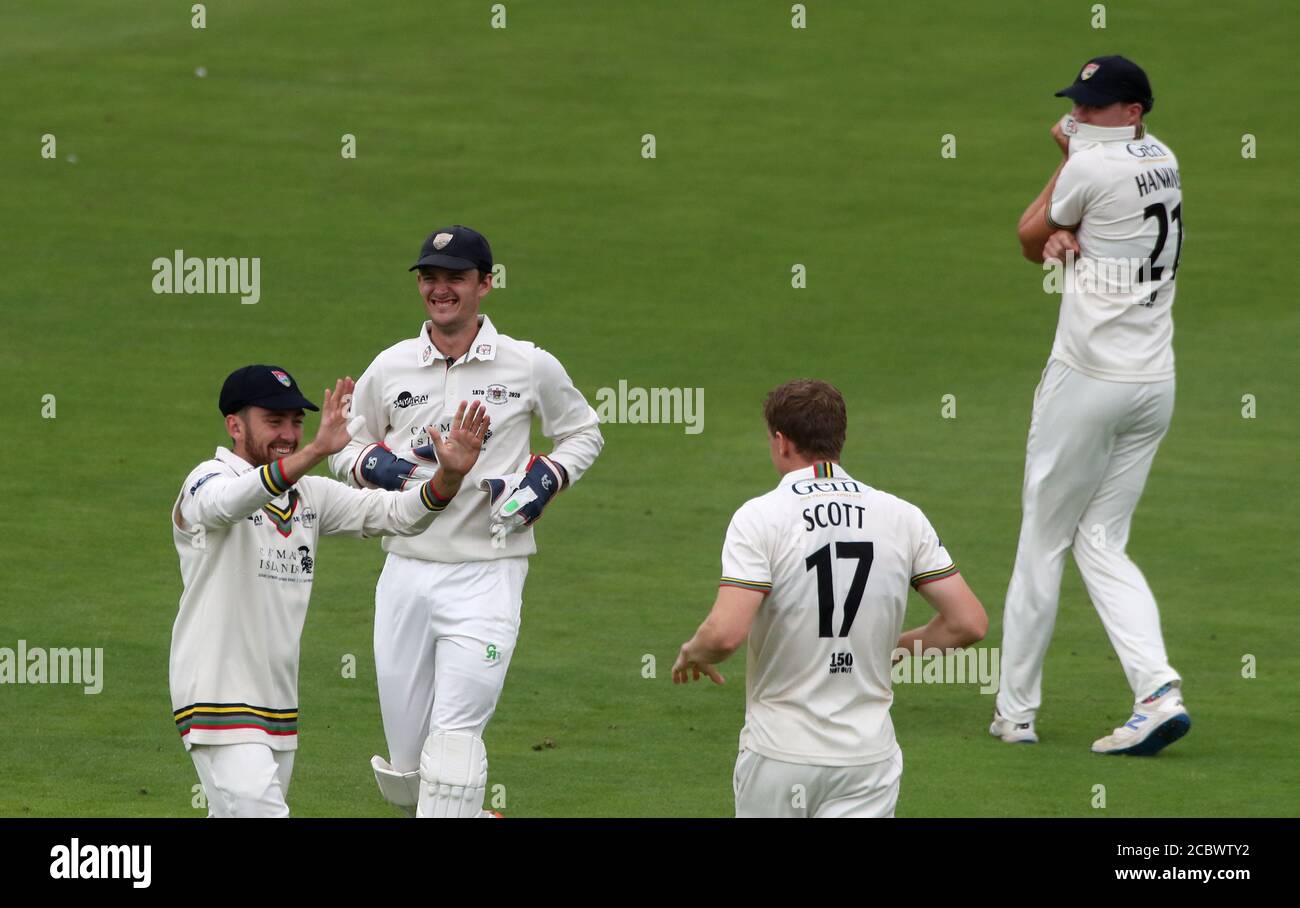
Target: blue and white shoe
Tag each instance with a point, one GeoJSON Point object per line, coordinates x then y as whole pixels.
{"type": "Point", "coordinates": [1011, 732]}
{"type": "Point", "coordinates": [1158, 721]}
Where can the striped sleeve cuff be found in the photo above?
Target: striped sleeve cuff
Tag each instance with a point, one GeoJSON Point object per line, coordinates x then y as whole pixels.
{"type": "Point", "coordinates": [758, 585]}
{"type": "Point", "coordinates": [1055, 226]}
{"type": "Point", "coordinates": [432, 500]}
{"type": "Point", "coordinates": [921, 580]}
{"type": "Point", "coordinates": [272, 476]}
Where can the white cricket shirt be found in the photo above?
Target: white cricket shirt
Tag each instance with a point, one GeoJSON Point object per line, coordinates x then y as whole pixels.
{"type": "Point", "coordinates": [412, 385]}
{"type": "Point", "coordinates": [247, 550]}
{"type": "Point", "coordinates": [836, 558]}
{"type": "Point", "coordinates": [1122, 192]}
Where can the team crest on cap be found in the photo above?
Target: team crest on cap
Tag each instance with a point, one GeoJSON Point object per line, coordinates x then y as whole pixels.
{"type": "Point", "coordinates": [282, 377]}
{"type": "Point", "coordinates": [441, 240]}
{"type": "Point", "coordinates": [1086, 74]}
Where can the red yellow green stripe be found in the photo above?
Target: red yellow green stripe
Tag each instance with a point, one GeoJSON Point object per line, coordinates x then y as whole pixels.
{"type": "Point", "coordinates": [273, 478]}
{"type": "Point", "coordinates": [759, 585]}
{"type": "Point", "coordinates": [432, 500]}
{"type": "Point", "coordinates": [230, 716]}
{"type": "Point", "coordinates": [931, 576]}
{"type": "Point", "coordinates": [823, 470]}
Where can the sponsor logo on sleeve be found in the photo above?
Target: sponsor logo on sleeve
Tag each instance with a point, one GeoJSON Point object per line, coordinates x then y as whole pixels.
{"type": "Point", "coordinates": [194, 488]}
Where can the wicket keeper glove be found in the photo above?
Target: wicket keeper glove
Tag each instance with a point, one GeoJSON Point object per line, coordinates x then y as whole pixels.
{"type": "Point", "coordinates": [517, 501]}
{"type": "Point", "coordinates": [383, 469]}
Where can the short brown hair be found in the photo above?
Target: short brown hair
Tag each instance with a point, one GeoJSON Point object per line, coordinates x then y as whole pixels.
{"type": "Point", "coordinates": [811, 414]}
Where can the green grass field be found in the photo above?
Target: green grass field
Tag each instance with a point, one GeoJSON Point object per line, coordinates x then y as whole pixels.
{"type": "Point", "coordinates": [775, 146]}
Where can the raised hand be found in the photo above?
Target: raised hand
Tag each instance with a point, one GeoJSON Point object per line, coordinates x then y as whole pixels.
{"type": "Point", "coordinates": [459, 450]}
{"type": "Point", "coordinates": [333, 435]}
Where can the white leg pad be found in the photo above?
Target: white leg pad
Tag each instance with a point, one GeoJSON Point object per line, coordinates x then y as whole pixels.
{"type": "Point", "coordinates": [453, 775]}
{"type": "Point", "coordinates": [399, 788]}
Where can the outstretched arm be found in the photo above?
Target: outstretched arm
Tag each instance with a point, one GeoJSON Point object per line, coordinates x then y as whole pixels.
{"type": "Point", "coordinates": [721, 634]}
{"type": "Point", "coordinates": [218, 500]}
{"type": "Point", "coordinates": [378, 512]}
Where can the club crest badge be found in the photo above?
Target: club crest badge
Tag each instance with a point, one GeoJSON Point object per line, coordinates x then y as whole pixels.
{"type": "Point", "coordinates": [496, 394]}
{"type": "Point", "coordinates": [1086, 74]}
{"type": "Point", "coordinates": [282, 377]}
{"type": "Point", "coordinates": [441, 240]}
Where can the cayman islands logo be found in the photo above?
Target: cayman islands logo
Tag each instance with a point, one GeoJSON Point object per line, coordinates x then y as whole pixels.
{"type": "Point", "coordinates": [441, 240]}
{"type": "Point", "coordinates": [1089, 70]}
{"type": "Point", "coordinates": [283, 378]}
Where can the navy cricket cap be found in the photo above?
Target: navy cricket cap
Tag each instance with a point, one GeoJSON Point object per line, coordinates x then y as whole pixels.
{"type": "Point", "coordinates": [1105, 80]}
{"type": "Point", "coordinates": [262, 386]}
{"type": "Point", "coordinates": [456, 247]}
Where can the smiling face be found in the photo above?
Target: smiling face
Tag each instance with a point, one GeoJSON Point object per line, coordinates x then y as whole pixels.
{"type": "Point", "coordinates": [1121, 113]}
{"type": "Point", "coordinates": [451, 297]}
{"type": "Point", "coordinates": [261, 435]}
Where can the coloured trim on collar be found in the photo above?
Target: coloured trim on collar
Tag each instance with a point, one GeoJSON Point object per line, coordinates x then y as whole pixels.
{"type": "Point", "coordinates": [483, 347]}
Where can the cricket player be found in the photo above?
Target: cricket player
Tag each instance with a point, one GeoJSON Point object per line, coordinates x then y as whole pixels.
{"type": "Point", "coordinates": [448, 602]}
{"type": "Point", "coordinates": [1112, 212]}
{"type": "Point", "coordinates": [245, 525]}
{"type": "Point", "coordinates": [815, 574]}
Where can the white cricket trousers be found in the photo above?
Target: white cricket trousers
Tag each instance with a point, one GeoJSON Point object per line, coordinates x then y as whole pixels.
{"type": "Point", "coordinates": [444, 635]}
{"type": "Point", "coordinates": [244, 780]}
{"type": "Point", "coordinates": [1091, 444]}
{"type": "Point", "coordinates": [766, 787]}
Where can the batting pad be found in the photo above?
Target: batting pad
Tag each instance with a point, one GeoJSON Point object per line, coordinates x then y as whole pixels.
{"type": "Point", "coordinates": [453, 775]}
{"type": "Point", "coordinates": [398, 788]}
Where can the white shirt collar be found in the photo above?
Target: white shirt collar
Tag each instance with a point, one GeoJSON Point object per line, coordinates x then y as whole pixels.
{"type": "Point", "coordinates": [820, 470]}
{"type": "Point", "coordinates": [484, 345]}
{"type": "Point", "coordinates": [1086, 132]}
{"type": "Point", "coordinates": [225, 455]}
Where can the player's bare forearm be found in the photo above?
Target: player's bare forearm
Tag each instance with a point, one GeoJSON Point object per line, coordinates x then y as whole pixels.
{"type": "Point", "coordinates": [961, 619]}
{"type": "Point", "coordinates": [446, 482]}
{"type": "Point", "coordinates": [707, 646]}
{"type": "Point", "coordinates": [722, 633]}
{"type": "Point", "coordinates": [939, 634]}
{"type": "Point", "coordinates": [1034, 228]}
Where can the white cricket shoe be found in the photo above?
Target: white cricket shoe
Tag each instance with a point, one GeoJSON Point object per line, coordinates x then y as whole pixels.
{"type": "Point", "coordinates": [1011, 732]}
{"type": "Point", "coordinates": [1158, 721]}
